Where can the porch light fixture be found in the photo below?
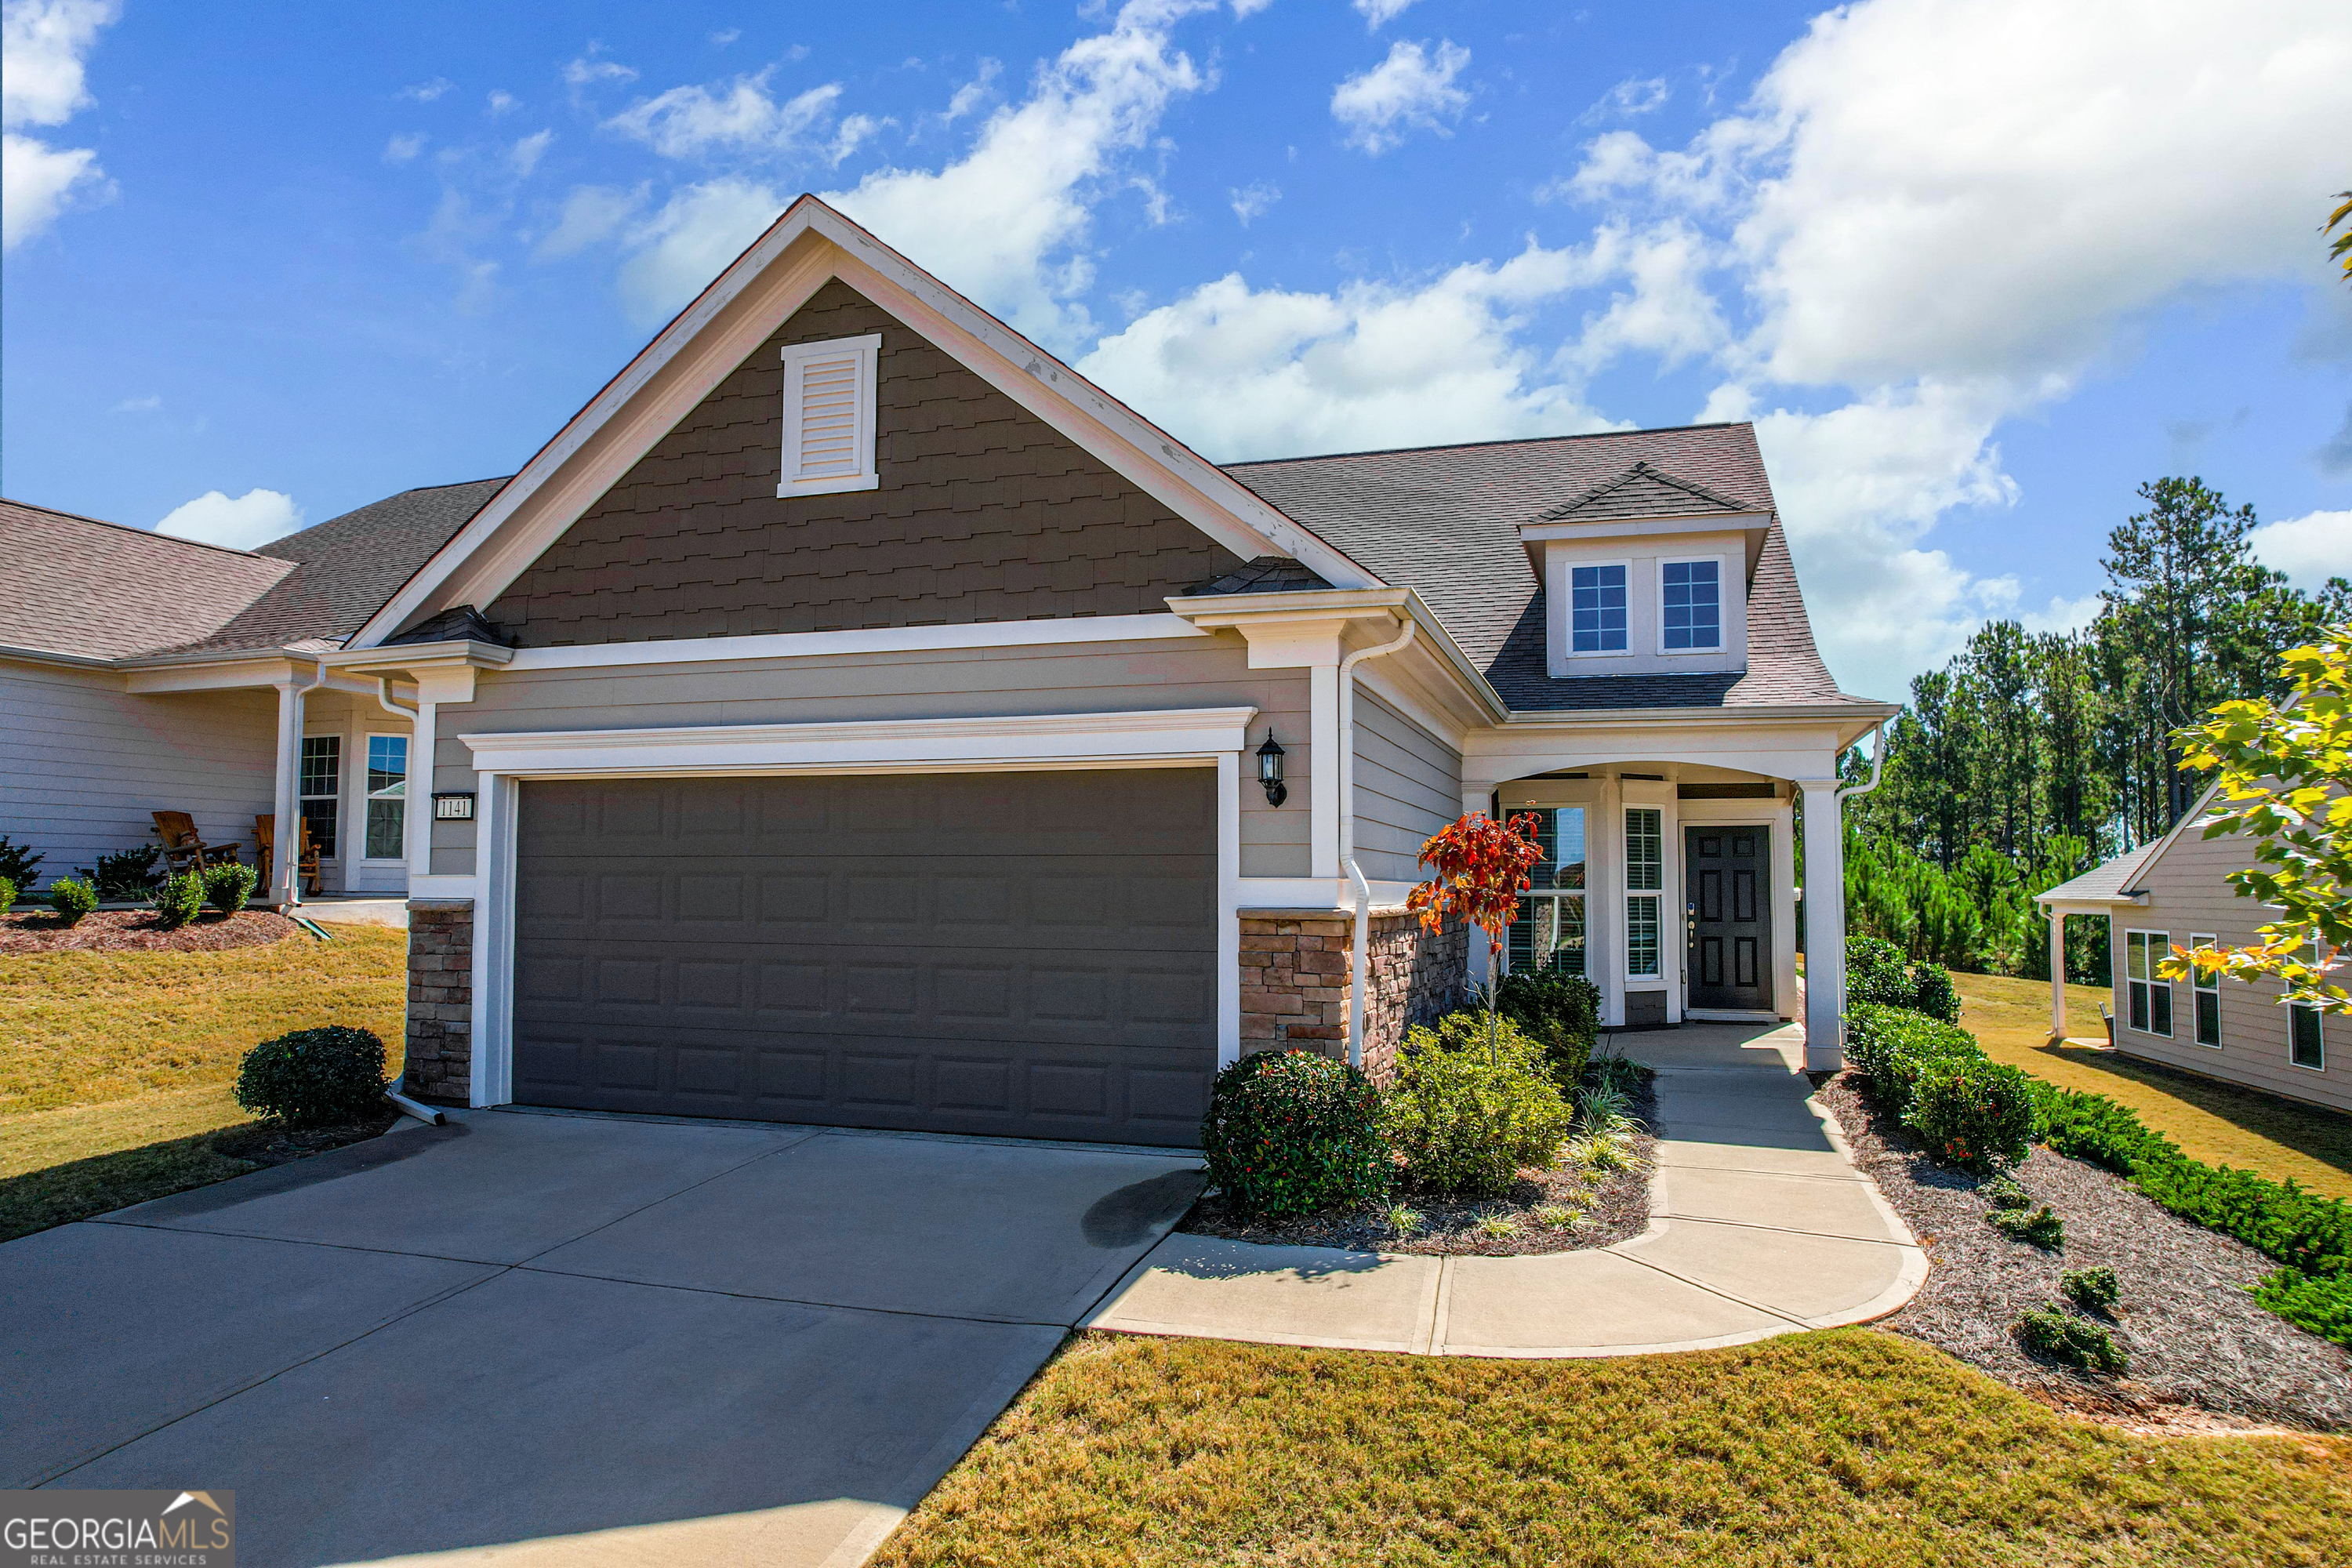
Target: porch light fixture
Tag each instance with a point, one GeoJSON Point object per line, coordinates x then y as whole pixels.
{"type": "Point", "coordinates": [1269, 771]}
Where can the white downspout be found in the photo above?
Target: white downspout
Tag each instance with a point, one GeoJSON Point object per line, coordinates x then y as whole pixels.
{"type": "Point", "coordinates": [286, 804]}
{"type": "Point", "coordinates": [1360, 965]}
{"type": "Point", "coordinates": [1877, 764]}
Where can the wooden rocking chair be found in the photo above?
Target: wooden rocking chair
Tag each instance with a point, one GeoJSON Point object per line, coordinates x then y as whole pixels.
{"type": "Point", "coordinates": [265, 837]}
{"type": "Point", "coordinates": [183, 849]}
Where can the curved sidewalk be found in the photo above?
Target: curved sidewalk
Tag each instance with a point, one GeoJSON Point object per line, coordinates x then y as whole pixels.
{"type": "Point", "coordinates": [1761, 1225]}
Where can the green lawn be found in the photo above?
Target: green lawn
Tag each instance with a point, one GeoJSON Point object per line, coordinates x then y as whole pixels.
{"type": "Point", "coordinates": [1853, 1447]}
{"type": "Point", "coordinates": [2212, 1122]}
{"type": "Point", "coordinates": [115, 1067]}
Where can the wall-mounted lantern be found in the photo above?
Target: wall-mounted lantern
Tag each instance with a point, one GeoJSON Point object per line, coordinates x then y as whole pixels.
{"type": "Point", "coordinates": [1269, 771]}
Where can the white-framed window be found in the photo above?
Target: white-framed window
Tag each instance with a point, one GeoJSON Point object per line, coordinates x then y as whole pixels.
{"type": "Point", "coordinates": [829, 392]}
{"type": "Point", "coordinates": [387, 822]}
{"type": "Point", "coordinates": [322, 789]}
{"type": "Point", "coordinates": [1549, 932]}
{"type": "Point", "coordinates": [1645, 881]}
{"type": "Point", "coordinates": [1597, 606]}
{"type": "Point", "coordinates": [1690, 605]}
{"type": "Point", "coordinates": [2205, 995]}
{"type": "Point", "coordinates": [2150, 1003]}
{"type": "Point", "coordinates": [2306, 1031]}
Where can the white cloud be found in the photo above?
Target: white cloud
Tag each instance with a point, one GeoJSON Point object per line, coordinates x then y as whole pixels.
{"type": "Point", "coordinates": [1377, 14]}
{"type": "Point", "coordinates": [1410, 90]}
{"type": "Point", "coordinates": [499, 102]}
{"type": "Point", "coordinates": [1254, 200]}
{"type": "Point", "coordinates": [589, 70]}
{"type": "Point", "coordinates": [2309, 549]}
{"type": "Point", "coordinates": [974, 93]}
{"type": "Point", "coordinates": [691, 241]}
{"type": "Point", "coordinates": [1665, 310]}
{"type": "Point", "coordinates": [525, 154]}
{"type": "Point", "coordinates": [43, 46]}
{"type": "Point", "coordinates": [694, 122]}
{"type": "Point", "coordinates": [1634, 96]}
{"type": "Point", "coordinates": [403, 147]}
{"type": "Point", "coordinates": [241, 522]}
{"type": "Point", "coordinates": [591, 214]}
{"type": "Point", "coordinates": [147, 405]}
{"type": "Point", "coordinates": [853, 132]}
{"type": "Point", "coordinates": [724, 37]}
{"type": "Point", "coordinates": [426, 91]}
{"type": "Point", "coordinates": [454, 238]}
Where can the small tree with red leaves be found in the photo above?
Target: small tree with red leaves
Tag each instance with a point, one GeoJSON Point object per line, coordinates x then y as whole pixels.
{"type": "Point", "coordinates": [1481, 868]}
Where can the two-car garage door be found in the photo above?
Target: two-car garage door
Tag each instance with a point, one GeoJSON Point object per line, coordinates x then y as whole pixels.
{"type": "Point", "coordinates": [1025, 954]}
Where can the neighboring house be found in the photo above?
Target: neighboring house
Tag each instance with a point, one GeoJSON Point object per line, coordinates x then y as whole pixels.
{"type": "Point", "coordinates": [2170, 893]}
{"type": "Point", "coordinates": [853, 715]}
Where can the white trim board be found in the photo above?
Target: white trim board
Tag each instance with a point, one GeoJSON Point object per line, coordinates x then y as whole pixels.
{"type": "Point", "coordinates": [1073, 630]}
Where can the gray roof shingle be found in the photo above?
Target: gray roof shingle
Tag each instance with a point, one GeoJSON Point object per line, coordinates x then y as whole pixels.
{"type": "Point", "coordinates": [87, 589]}
{"type": "Point", "coordinates": [2109, 880]}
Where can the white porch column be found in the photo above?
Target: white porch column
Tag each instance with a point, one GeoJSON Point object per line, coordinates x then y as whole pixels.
{"type": "Point", "coordinates": [1824, 927]}
{"type": "Point", "coordinates": [282, 875]}
{"type": "Point", "coordinates": [1323, 765]}
{"type": "Point", "coordinates": [417, 837]}
{"type": "Point", "coordinates": [2058, 973]}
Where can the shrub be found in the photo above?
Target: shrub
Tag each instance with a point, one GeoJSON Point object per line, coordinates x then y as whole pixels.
{"type": "Point", "coordinates": [72, 899]}
{"type": "Point", "coordinates": [228, 885]}
{"type": "Point", "coordinates": [1615, 1072]}
{"type": "Point", "coordinates": [18, 863]}
{"type": "Point", "coordinates": [1561, 1013]}
{"type": "Point", "coordinates": [2042, 1228]}
{"type": "Point", "coordinates": [1464, 1123]}
{"type": "Point", "coordinates": [313, 1076]}
{"type": "Point", "coordinates": [7, 895]}
{"type": "Point", "coordinates": [179, 899]}
{"type": "Point", "coordinates": [2062, 1336]}
{"type": "Point", "coordinates": [1972, 1113]}
{"type": "Point", "coordinates": [2323, 1306]}
{"type": "Point", "coordinates": [2003, 1192]}
{"type": "Point", "coordinates": [2092, 1290]}
{"type": "Point", "coordinates": [1937, 996]}
{"type": "Point", "coordinates": [1892, 1046]}
{"type": "Point", "coordinates": [1290, 1133]}
{"type": "Point", "coordinates": [1876, 972]}
{"type": "Point", "coordinates": [129, 875]}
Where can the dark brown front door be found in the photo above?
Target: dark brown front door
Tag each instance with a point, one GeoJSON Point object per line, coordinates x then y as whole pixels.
{"type": "Point", "coordinates": [1027, 953]}
{"type": "Point", "coordinates": [1727, 871]}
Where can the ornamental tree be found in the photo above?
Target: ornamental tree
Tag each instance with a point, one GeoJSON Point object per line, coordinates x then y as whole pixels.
{"type": "Point", "coordinates": [2285, 775]}
{"type": "Point", "coordinates": [1481, 868]}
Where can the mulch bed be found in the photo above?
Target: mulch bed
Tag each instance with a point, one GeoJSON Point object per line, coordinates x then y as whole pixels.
{"type": "Point", "coordinates": [1616, 1206]}
{"type": "Point", "coordinates": [2197, 1339]}
{"type": "Point", "coordinates": [265, 1143]}
{"type": "Point", "coordinates": [136, 931]}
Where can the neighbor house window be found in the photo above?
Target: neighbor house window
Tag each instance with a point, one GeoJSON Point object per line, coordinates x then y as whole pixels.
{"type": "Point", "coordinates": [2206, 990]}
{"type": "Point", "coordinates": [2306, 1032]}
{"type": "Point", "coordinates": [322, 789]}
{"type": "Point", "coordinates": [387, 796]}
{"type": "Point", "coordinates": [1690, 605]}
{"type": "Point", "coordinates": [1596, 597]}
{"type": "Point", "coordinates": [1645, 881]}
{"type": "Point", "coordinates": [829, 417]}
{"type": "Point", "coordinates": [1549, 932]}
{"type": "Point", "coordinates": [2150, 1003]}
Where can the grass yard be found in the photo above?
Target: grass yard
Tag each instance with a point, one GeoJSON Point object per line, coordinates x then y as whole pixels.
{"type": "Point", "coordinates": [115, 1067]}
{"type": "Point", "coordinates": [1853, 1447]}
{"type": "Point", "coordinates": [2212, 1122]}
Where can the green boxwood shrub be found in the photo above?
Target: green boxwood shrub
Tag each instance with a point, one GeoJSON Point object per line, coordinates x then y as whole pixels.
{"type": "Point", "coordinates": [1972, 1113]}
{"type": "Point", "coordinates": [1464, 1119]}
{"type": "Point", "coordinates": [1561, 1013]}
{"type": "Point", "coordinates": [1290, 1133]}
{"type": "Point", "coordinates": [1937, 996]}
{"type": "Point", "coordinates": [1876, 972]}
{"type": "Point", "coordinates": [179, 899]}
{"type": "Point", "coordinates": [1891, 1046]}
{"type": "Point", "coordinates": [2062, 1336]}
{"type": "Point", "coordinates": [313, 1076]}
{"type": "Point", "coordinates": [2092, 1290]}
{"type": "Point", "coordinates": [72, 899]}
{"type": "Point", "coordinates": [227, 886]}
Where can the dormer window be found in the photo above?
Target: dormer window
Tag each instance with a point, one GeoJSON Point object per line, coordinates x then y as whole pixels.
{"type": "Point", "coordinates": [829, 417]}
{"type": "Point", "coordinates": [1597, 608]}
{"type": "Point", "coordinates": [1690, 606]}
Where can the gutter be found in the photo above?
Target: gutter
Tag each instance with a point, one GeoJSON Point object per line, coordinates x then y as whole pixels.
{"type": "Point", "coordinates": [1877, 767]}
{"type": "Point", "coordinates": [1359, 972]}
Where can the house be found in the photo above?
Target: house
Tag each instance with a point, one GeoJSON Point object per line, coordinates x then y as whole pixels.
{"type": "Point", "coordinates": [853, 715]}
{"type": "Point", "coordinates": [2172, 893]}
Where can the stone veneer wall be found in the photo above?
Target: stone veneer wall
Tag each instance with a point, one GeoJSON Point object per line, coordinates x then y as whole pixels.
{"type": "Point", "coordinates": [440, 1000]}
{"type": "Point", "coordinates": [1297, 970]}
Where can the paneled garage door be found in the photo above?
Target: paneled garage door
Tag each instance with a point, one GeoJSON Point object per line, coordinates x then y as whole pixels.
{"type": "Point", "coordinates": [1031, 953]}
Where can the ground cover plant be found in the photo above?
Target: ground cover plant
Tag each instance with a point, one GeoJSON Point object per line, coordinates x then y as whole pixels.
{"type": "Point", "coordinates": [1853, 1447]}
{"type": "Point", "coordinates": [2062, 1336]}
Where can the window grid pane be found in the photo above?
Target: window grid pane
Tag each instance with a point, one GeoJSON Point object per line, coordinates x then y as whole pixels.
{"type": "Point", "coordinates": [1547, 935]}
{"type": "Point", "coordinates": [322, 765]}
{"type": "Point", "coordinates": [387, 762]}
{"type": "Point", "coordinates": [2307, 1047]}
{"type": "Point", "coordinates": [1642, 935]}
{"type": "Point", "coordinates": [1645, 850]}
{"type": "Point", "coordinates": [1694, 613]}
{"type": "Point", "coordinates": [1596, 609]}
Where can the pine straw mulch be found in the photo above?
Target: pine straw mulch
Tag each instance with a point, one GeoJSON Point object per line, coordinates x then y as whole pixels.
{"type": "Point", "coordinates": [137, 930]}
{"type": "Point", "coordinates": [2204, 1355]}
{"type": "Point", "coordinates": [1616, 1206]}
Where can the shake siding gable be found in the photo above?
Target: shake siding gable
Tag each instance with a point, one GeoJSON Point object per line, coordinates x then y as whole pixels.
{"type": "Point", "coordinates": [2186, 894]}
{"type": "Point", "coordinates": [982, 512]}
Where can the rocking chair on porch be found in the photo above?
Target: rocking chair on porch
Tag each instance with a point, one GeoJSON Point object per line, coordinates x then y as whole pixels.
{"type": "Point", "coordinates": [184, 850]}
{"type": "Point", "coordinates": [265, 838]}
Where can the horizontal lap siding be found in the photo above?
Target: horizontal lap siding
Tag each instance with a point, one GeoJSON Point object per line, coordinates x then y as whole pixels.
{"type": "Point", "coordinates": [1408, 786]}
{"type": "Point", "coordinates": [83, 762]}
{"type": "Point", "coordinates": [1184, 672]}
{"type": "Point", "coordinates": [2186, 894]}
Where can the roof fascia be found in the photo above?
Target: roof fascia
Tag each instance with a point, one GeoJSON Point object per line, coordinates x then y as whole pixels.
{"type": "Point", "coordinates": [1755, 524]}
{"type": "Point", "coordinates": [455, 654]}
{"type": "Point", "coordinates": [69, 661]}
{"type": "Point", "coordinates": [1853, 720]}
{"type": "Point", "coordinates": [1341, 604]}
{"type": "Point", "coordinates": [2193, 816]}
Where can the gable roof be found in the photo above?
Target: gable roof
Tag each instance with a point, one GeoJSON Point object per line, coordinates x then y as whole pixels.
{"type": "Point", "coordinates": [1443, 520]}
{"type": "Point", "coordinates": [84, 589]}
{"type": "Point", "coordinates": [2109, 882]}
{"type": "Point", "coordinates": [1643, 491]}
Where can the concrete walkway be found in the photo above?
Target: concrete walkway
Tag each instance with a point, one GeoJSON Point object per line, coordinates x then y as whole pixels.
{"type": "Point", "coordinates": [1760, 1225]}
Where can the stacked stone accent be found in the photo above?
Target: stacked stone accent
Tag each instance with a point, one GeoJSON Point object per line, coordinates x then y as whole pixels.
{"type": "Point", "coordinates": [1297, 972]}
{"type": "Point", "coordinates": [440, 1000]}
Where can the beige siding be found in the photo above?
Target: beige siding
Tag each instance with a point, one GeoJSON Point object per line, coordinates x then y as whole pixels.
{"type": "Point", "coordinates": [1408, 786]}
{"type": "Point", "coordinates": [1183, 672]}
{"type": "Point", "coordinates": [2187, 895]}
{"type": "Point", "coordinates": [83, 762]}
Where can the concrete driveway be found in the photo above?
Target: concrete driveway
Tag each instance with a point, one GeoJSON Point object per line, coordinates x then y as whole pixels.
{"type": "Point", "coordinates": [539, 1337]}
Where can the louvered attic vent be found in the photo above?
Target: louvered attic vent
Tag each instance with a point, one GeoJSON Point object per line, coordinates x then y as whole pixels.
{"type": "Point", "coordinates": [829, 417]}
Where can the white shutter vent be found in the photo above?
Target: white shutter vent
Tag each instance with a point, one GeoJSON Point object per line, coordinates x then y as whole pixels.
{"type": "Point", "coordinates": [829, 417]}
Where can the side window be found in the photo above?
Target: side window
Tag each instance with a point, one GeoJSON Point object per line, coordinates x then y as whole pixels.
{"type": "Point", "coordinates": [1645, 860]}
{"type": "Point", "coordinates": [1596, 609]}
{"type": "Point", "coordinates": [322, 789]}
{"type": "Point", "coordinates": [1549, 932]}
{"type": "Point", "coordinates": [2150, 1006]}
{"type": "Point", "coordinates": [2306, 1035]}
{"type": "Point", "coordinates": [829, 391]}
{"type": "Point", "coordinates": [2208, 993]}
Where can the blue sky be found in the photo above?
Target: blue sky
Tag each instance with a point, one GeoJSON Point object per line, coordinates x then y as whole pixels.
{"type": "Point", "coordinates": [1976, 267]}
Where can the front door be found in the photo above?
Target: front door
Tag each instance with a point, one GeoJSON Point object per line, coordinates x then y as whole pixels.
{"type": "Point", "coordinates": [1727, 875]}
